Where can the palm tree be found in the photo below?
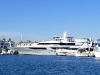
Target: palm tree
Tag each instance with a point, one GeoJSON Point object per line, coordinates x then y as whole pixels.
{"type": "Point", "coordinates": [3, 39]}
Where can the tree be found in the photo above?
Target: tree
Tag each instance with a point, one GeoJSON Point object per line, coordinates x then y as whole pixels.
{"type": "Point", "coordinates": [3, 39]}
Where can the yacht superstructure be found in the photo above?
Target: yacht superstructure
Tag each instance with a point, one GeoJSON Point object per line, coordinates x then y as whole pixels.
{"type": "Point", "coordinates": [48, 47]}
{"type": "Point", "coordinates": [4, 44]}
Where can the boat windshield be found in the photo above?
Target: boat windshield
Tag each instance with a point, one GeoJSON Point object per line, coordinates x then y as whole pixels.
{"type": "Point", "coordinates": [82, 50]}
{"type": "Point", "coordinates": [78, 44]}
{"type": "Point", "coordinates": [86, 39]}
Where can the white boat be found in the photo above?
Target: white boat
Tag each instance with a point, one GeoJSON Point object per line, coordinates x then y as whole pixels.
{"type": "Point", "coordinates": [65, 52]}
{"type": "Point", "coordinates": [97, 52]}
{"type": "Point", "coordinates": [48, 47]}
{"type": "Point", "coordinates": [4, 44]}
{"type": "Point", "coordinates": [72, 50]}
{"type": "Point", "coordinates": [97, 49]}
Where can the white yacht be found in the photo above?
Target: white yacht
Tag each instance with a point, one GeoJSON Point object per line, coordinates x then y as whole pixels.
{"type": "Point", "coordinates": [97, 49]}
{"type": "Point", "coordinates": [47, 47]}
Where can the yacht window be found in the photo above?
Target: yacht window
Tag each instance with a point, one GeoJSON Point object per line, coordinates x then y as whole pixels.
{"type": "Point", "coordinates": [91, 49]}
{"type": "Point", "coordinates": [78, 44]}
{"type": "Point", "coordinates": [11, 44]}
{"type": "Point", "coordinates": [1, 43]}
{"type": "Point", "coordinates": [1, 46]}
{"type": "Point", "coordinates": [82, 50]}
{"type": "Point", "coordinates": [5, 47]}
{"type": "Point", "coordinates": [60, 47]}
{"type": "Point", "coordinates": [66, 43]}
{"type": "Point", "coordinates": [47, 43]}
{"type": "Point", "coordinates": [73, 48]}
{"type": "Point", "coordinates": [87, 49]}
{"type": "Point", "coordinates": [36, 48]}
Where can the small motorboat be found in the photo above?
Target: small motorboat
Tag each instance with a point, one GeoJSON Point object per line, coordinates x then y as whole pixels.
{"type": "Point", "coordinates": [82, 52]}
{"type": "Point", "coordinates": [65, 52]}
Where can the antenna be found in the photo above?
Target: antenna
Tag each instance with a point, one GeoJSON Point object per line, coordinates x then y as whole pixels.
{"type": "Point", "coordinates": [21, 38]}
{"type": "Point", "coordinates": [55, 35]}
{"type": "Point", "coordinates": [65, 34]}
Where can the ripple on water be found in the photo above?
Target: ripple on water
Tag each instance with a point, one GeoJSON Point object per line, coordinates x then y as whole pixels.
{"type": "Point", "coordinates": [48, 65]}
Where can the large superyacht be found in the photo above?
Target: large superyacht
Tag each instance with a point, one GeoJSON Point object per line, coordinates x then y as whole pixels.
{"type": "Point", "coordinates": [50, 47]}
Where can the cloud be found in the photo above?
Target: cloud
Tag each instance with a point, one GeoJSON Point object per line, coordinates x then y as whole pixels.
{"type": "Point", "coordinates": [7, 33]}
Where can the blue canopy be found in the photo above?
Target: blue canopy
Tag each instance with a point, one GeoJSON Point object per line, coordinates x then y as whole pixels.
{"type": "Point", "coordinates": [99, 45]}
{"type": "Point", "coordinates": [86, 39]}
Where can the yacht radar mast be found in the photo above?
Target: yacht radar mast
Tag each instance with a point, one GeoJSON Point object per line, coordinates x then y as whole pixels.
{"type": "Point", "coordinates": [21, 38]}
{"type": "Point", "coordinates": [65, 34]}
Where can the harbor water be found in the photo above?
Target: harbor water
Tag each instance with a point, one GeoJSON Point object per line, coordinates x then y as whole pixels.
{"type": "Point", "coordinates": [48, 65]}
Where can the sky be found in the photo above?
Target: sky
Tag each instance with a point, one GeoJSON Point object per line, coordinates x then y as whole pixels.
{"type": "Point", "coordinates": [42, 19]}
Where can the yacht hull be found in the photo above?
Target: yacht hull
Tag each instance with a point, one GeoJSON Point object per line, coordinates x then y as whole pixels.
{"type": "Point", "coordinates": [97, 54]}
{"type": "Point", "coordinates": [22, 50]}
